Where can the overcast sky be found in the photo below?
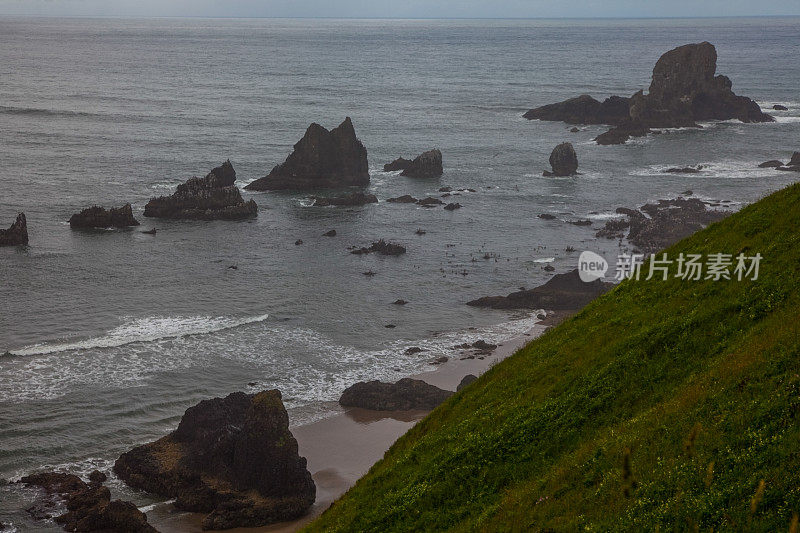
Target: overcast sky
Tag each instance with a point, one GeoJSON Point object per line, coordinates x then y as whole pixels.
{"type": "Point", "coordinates": [402, 8]}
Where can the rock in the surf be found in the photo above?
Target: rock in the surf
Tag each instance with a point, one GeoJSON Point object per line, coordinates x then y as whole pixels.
{"type": "Point", "coordinates": [405, 395]}
{"type": "Point", "coordinates": [398, 164]}
{"type": "Point", "coordinates": [563, 161]}
{"type": "Point", "coordinates": [381, 247]}
{"type": "Point", "coordinates": [214, 197]}
{"type": "Point", "coordinates": [779, 107]}
{"type": "Point", "coordinates": [772, 163]}
{"type": "Point", "coordinates": [99, 217]}
{"type": "Point", "coordinates": [321, 159]}
{"type": "Point", "coordinates": [17, 234]}
{"type": "Point", "coordinates": [89, 506]}
{"type": "Point", "coordinates": [425, 165]}
{"type": "Point", "coordinates": [232, 458]}
{"type": "Point", "coordinates": [583, 110]}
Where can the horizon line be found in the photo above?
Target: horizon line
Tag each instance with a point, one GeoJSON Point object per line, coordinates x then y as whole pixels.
{"type": "Point", "coordinates": [218, 17]}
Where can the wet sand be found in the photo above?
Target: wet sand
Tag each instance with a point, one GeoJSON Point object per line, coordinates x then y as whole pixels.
{"type": "Point", "coordinates": [342, 448]}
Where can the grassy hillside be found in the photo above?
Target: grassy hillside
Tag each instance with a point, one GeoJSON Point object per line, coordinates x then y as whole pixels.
{"type": "Point", "coordinates": [664, 405]}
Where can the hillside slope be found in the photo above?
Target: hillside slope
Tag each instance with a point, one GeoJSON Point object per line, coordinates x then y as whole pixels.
{"type": "Point", "coordinates": [663, 405]}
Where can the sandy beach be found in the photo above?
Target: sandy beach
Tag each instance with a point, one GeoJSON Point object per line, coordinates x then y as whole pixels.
{"type": "Point", "coordinates": [342, 448]}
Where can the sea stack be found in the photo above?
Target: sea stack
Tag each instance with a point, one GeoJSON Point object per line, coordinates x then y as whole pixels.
{"type": "Point", "coordinates": [684, 90]}
{"type": "Point", "coordinates": [563, 160]}
{"type": "Point", "coordinates": [17, 234]}
{"type": "Point", "coordinates": [232, 458]}
{"type": "Point", "coordinates": [214, 197]}
{"type": "Point", "coordinates": [99, 217]}
{"type": "Point", "coordinates": [321, 159]}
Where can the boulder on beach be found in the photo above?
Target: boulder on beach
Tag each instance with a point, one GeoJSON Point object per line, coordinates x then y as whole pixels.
{"type": "Point", "coordinates": [88, 505]}
{"type": "Point", "coordinates": [469, 378]}
{"type": "Point", "coordinates": [405, 395]}
{"type": "Point", "coordinates": [684, 91]}
{"type": "Point", "coordinates": [17, 234]}
{"type": "Point", "coordinates": [99, 217]}
{"type": "Point", "coordinates": [561, 292]}
{"type": "Point", "coordinates": [355, 199]}
{"type": "Point", "coordinates": [563, 161]}
{"type": "Point", "coordinates": [214, 197]}
{"type": "Point", "coordinates": [321, 159]}
{"type": "Point", "coordinates": [232, 458]}
{"type": "Point", "coordinates": [425, 165]}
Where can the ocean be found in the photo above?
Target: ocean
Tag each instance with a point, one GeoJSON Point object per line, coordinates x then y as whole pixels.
{"type": "Point", "coordinates": [113, 334]}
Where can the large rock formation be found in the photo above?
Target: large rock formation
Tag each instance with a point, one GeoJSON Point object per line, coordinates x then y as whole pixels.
{"type": "Point", "coordinates": [683, 91]}
{"type": "Point", "coordinates": [321, 159]}
{"type": "Point", "coordinates": [99, 217]}
{"type": "Point", "coordinates": [89, 506]}
{"type": "Point", "coordinates": [17, 234]}
{"type": "Point", "coordinates": [214, 197]}
{"type": "Point", "coordinates": [561, 292]}
{"type": "Point", "coordinates": [563, 160]}
{"type": "Point", "coordinates": [405, 395]}
{"type": "Point", "coordinates": [425, 165]}
{"type": "Point", "coordinates": [233, 458]}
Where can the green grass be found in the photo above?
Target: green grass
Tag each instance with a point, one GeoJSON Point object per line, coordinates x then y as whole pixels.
{"type": "Point", "coordinates": [662, 406]}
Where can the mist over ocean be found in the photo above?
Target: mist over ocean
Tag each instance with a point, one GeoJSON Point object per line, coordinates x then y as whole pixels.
{"type": "Point", "coordinates": [115, 333]}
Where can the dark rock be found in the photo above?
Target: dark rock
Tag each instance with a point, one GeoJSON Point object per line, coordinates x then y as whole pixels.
{"type": "Point", "coordinates": [469, 378]}
{"type": "Point", "coordinates": [298, 242]}
{"type": "Point", "coordinates": [789, 168]}
{"type": "Point", "coordinates": [381, 247]}
{"type": "Point", "coordinates": [561, 292]}
{"type": "Point", "coordinates": [397, 164]}
{"type": "Point", "coordinates": [549, 268]}
{"type": "Point", "coordinates": [430, 202]}
{"type": "Point", "coordinates": [414, 350]}
{"type": "Point", "coordinates": [420, 231]}
{"type": "Point", "coordinates": [331, 233]}
{"type": "Point", "coordinates": [89, 506]}
{"type": "Point", "coordinates": [546, 216]}
{"type": "Point", "coordinates": [440, 360]}
{"type": "Point", "coordinates": [583, 110]}
{"type": "Point", "coordinates": [773, 163]}
{"type": "Point", "coordinates": [405, 395]}
{"type": "Point", "coordinates": [17, 234]}
{"type": "Point", "coordinates": [795, 160]}
{"type": "Point", "coordinates": [580, 222]}
{"type": "Point", "coordinates": [150, 231]}
{"type": "Point", "coordinates": [564, 160]}
{"type": "Point", "coordinates": [390, 326]}
{"type": "Point", "coordinates": [232, 458]}
{"type": "Point", "coordinates": [445, 189]}
{"type": "Point", "coordinates": [355, 199]}
{"type": "Point", "coordinates": [96, 477]}
{"type": "Point", "coordinates": [684, 90]}
{"type": "Point", "coordinates": [575, 129]}
{"type": "Point", "coordinates": [779, 107]}
{"type": "Point", "coordinates": [99, 217]}
{"type": "Point", "coordinates": [321, 159]}
{"type": "Point", "coordinates": [684, 170]}
{"type": "Point", "coordinates": [214, 197]}
{"type": "Point", "coordinates": [452, 207]}
{"type": "Point", "coordinates": [400, 302]}
{"type": "Point", "coordinates": [405, 199]}
{"type": "Point", "coordinates": [614, 229]}
{"type": "Point", "coordinates": [426, 165]}
{"type": "Point", "coordinates": [369, 274]}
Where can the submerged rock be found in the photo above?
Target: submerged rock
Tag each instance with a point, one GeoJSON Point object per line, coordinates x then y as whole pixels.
{"type": "Point", "coordinates": [773, 163]}
{"type": "Point", "coordinates": [214, 197]}
{"type": "Point", "coordinates": [381, 247]}
{"type": "Point", "coordinates": [232, 458]}
{"type": "Point", "coordinates": [684, 90]}
{"type": "Point", "coordinates": [452, 207]}
{"type": "Point", "coordinates": [405, 199]}
{"type": "Point", "coordinates": [321, 159]}
{"type": "Point", "coordinates": [426, 165]}
{"type": "Point", "coordinates": [684, 170]}
{"type": "Point", "coordinates": [88, 506]}
{"type": "Point", "coordinates": [17, 234]}
{"type": "Point", "coordinates": [561, 292]}
{"type": "Point", "coordinates": [563, 160]}
{"type": "Point", "coordinates": [355, 199]}
{"type": "Point", "coordinates": [405, 395]}
{"type": "Point", "coordinates": [99, 217]}
{"type": "Point", "coordinates": [430, 201]}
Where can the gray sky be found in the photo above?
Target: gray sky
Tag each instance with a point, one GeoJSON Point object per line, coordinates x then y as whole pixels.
{"type": "Point", "coordinates": [402, 8]}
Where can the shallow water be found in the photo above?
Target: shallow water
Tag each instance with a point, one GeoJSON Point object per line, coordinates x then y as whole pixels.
{"type": "Point", "coordinates": [116, 333]}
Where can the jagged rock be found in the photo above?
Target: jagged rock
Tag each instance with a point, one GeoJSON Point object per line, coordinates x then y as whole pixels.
{"type": "Point", "coordinates": [773, 163]}
{"type": "Point", "coordinates": [561, 292]}
{"type": "Point", "coordinates": [381, 247]}
{"type": "Point", "coordinates": [89, 506]}
{"type": "Point", "coordinates": [214, 197]}
{"type": "Point", "coordinates": [563, 160]}
{"type": "Point", "coordinates": [452, 207]}
{"type": "Point", "coordinates": [17, 234]}
{"type": "Point", "coordinates": [355, 199]}
{"type": "Point", "coordinates": [405, 199]}
{"type": "Point", "coordinates": [426, 165]}
{"type": "Point", "coordinates": [469, 378]}
{"type": "Point", "coordinates": [321, 159]}
{"type": "Point", "coordinates": [795, 160]}
{"type": "Point", "coordinates": [684, 90]}
{"type": "Point", "coordinates": [583, 110]}
{"type": "Point", "coordinates": [430, 202]}
{"type": "Point", "coordinates": [405, 395]}
{"type": "Point", "coordinates": [99, 217]}
{"type": "Point", "coordinates": [232, 458]}
{"type": "Point", "coordinates": [397, 164]}
{"type": "Point", "coordinates": [779, 107]}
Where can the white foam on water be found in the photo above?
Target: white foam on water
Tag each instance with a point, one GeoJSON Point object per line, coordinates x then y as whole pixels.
{"type": "Point", "coordinates": [727, 169]}
{"type": "Point", "coordinates": [545, 260]}
{"type": "Point", "coordinates": [144, 330]}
